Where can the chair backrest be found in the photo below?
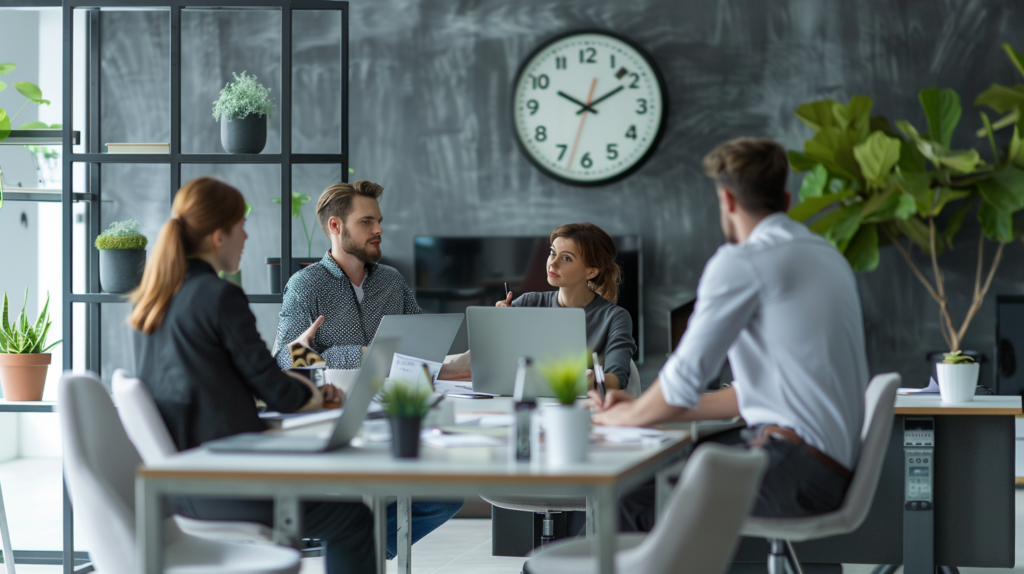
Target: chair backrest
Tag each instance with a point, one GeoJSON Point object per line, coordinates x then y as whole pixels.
{"type": "Point", "coordinates": [633, 385]}
{"type": "Point", "coordinates": [701, 526]}
{"type": "Point", "coordinates": [141, 419]}
{"type": "Point", "coordinates": [99, 464]}
{"type": "Point", "coordinates": [879, 405]}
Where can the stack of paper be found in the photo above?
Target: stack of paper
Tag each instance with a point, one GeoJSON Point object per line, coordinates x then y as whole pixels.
{"type": "Point", "coordinates": [628, 434]}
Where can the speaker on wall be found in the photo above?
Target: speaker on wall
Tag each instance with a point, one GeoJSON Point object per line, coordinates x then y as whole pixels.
{"type": "Point", "coordinates": [1010, 345]}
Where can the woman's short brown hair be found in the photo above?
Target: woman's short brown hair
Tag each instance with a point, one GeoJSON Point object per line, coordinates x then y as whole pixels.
{"type": "Point", "coordinates": [336, 200]}
{"type": "Point", "coordinates": [597, 250]}
{"type": "Point", "coordinates": [753, 170]}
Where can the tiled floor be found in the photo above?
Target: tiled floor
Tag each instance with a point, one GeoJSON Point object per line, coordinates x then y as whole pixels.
{"type": "Point", "coordinates": [31, 489]}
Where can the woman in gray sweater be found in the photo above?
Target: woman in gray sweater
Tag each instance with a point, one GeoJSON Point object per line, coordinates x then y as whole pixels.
{"type": "Point", "coordinates": [582, 265]}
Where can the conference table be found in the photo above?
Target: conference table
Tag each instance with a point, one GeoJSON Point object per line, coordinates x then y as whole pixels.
{"type": "Point", "coordinates": [366, 470]}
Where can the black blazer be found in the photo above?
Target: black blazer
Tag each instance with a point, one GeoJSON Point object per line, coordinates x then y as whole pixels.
{"type": "Point", "coordinates": [207, 361]}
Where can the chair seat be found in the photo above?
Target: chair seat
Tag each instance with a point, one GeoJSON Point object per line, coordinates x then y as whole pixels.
{"type": "Point", "coordinates": [225, 530]}
{"type": "Point", "coordinates": [577, 557]}
{"type": "Point", "coordinates": [539, 503]}
{"type": "Point", "coordinates": [841, 521]}
{"type": "Point", "coordinates": [195, 555]}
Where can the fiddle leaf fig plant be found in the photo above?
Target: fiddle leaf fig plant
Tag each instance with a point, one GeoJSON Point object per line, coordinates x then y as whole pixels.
{"type": "Point", "coordinates": [868, 184]}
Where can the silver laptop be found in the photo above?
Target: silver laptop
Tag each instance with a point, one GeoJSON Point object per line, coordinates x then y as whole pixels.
{"type": "Point", "coordinates": [376, 362]}
{"type": "Point", "coordinates": [499, 336]}
{"type": "Point", "coordinates": [426, 337]}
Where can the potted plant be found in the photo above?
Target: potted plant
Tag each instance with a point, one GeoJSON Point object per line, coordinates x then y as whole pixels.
{"type": "Point", "coordinates": [274, 263]}
{"type": "Point", "coordinates": [122, 256]}
{"type": "Point", "coordinates": [405, 405]}
{"type": "Point", "coordinates": [242, 110]}
{"type": "Point", "coordinates": [566, 427]}
{"type": "Point", "coordinates": [32, 94]}
{"type": "Point", "coordinates": [958, 377]}
{"type": "Point", "coordinates": [869, 186]}
{"type": "Point", "coordinates": [24, 354]}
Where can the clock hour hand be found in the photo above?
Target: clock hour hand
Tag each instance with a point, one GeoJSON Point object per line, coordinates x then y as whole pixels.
{"type": "Point", "coordinates": [601, 99]}
{"type": "Point", "coordinates": [583, 107]}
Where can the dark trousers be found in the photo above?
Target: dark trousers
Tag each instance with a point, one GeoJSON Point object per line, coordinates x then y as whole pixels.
{"type": "Point", "coordinates": [345, 528]}
{"type": "Point", "coordinates": [795, 484]}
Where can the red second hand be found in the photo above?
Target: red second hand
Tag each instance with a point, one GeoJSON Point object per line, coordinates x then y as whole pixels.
{"type": "Point", "coordinates": [582, 119]}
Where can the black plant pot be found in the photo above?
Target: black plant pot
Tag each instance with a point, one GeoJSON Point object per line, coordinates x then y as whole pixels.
{"type": "Point", "coordinates": [274, 269]}
{"type": "Point", "coordinates": [245, 135]}
{"type": "Point", "coordinates": [121, 269]}
{"type": "Point", "coordinates": [405, 437]}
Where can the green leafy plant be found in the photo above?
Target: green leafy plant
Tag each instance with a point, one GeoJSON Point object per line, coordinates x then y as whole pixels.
{"type": "Point", "coordinates": [22, 337]}
{"type": "Point", "coordinates": [122, 235]}
{"type": "Point", "coordinates": [955, 358]}
{"type": "Point", "coordinates": [242, 97]}
{"type": "Point", "coordinates": [299, 200]}
{"type": "Point", "coordinates": [869, 185]}
{"type": "Point", "coordinates": [33, 95]}
{"type": "Point", "coordinates": [404, 400]}
{"type": "Point", "coordinates": [567, 377]}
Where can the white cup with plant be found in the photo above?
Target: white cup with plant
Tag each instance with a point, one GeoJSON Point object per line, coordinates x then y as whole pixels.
{"type": "Point", "coordinates": [958, 377]}
{"type": "Point", "coordinates": [566, 426]}
{"type": "Point", "coordinates": [242, 110]}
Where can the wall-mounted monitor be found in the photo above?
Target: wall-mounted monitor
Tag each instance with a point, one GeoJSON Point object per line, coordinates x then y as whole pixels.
{"type": "Point", "coordinates": [452, 273]}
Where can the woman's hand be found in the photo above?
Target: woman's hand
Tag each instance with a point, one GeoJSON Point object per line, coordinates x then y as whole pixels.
{"type": "Point", "coordinates": [507, 302]}
{"type": "Point", "coordinates": [316, 399]}
{"type": "Point", "coordinates": [332, 394]}
{"type": "Point", "coordinates": [306, 338]}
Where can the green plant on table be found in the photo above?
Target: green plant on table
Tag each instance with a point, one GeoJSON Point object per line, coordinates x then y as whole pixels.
{"type": "Point", "coordinates": [33, 95]}
{"type": "Point", "coordinates": [122, 235]}
{"type": "Point", "coordinates": [869, 185]}
{"type": "Point", "coordinates": [404, 400]}
{"type": "Point", "coordinates": [956, 358]}
{"type": "Point", "coordinates": [242, 97]}
{"type": "Point", "coordinates": [299, 200]}
{"type": "Point", "coordinates": [23, 337]}
{"type": "Point", "coordinates": [566, 376]}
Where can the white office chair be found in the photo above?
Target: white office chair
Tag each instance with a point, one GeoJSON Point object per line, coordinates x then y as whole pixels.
{"type": "Point", "coordinates": [699, 531]}
{"type": "Point", "coordinates": [879, 402]}
{"type": "Point", "coordinates": [99, 465]}
{"type": "Point", "coordinates": [147, 431]}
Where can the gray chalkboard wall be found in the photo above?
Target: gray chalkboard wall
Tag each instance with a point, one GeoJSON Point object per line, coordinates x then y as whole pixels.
{"type": "Point", "coordinates": [430, 120]}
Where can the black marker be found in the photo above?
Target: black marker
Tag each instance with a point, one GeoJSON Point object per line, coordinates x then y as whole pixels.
{"type": "Point", "coordinates": [506, 289]}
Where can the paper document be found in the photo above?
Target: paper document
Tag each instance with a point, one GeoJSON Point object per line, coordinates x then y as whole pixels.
{"type": "Point", "coordinates": [485, 420]}
{"type": "Point", "coordinates": [931, 389]}
{"type": "Point", "coordinates": [410, 370]}
{"type": "Point", "coordinates": [437, 439]}
{"type": "Point", "coordinates": [458, 388]}
{"type": "Point", "coordinates": [627, 434]}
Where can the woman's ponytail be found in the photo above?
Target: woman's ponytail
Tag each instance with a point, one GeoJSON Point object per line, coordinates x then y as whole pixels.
{"type": "Point", "coordinates": [201, 207]}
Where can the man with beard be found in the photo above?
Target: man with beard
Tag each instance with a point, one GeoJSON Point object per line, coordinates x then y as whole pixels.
{"type": "Point", "coordinates": [335, 306]}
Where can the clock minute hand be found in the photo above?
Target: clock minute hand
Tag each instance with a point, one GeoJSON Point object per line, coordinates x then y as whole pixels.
{"type": "Point", "coordinates": [601, 99]}
{"type": "Point", "coordinates": [583, 107]}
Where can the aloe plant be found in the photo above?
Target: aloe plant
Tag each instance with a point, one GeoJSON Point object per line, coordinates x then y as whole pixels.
{"type": "Point", "coordinates": [22, 337]}
{"type": "Point", "coordinates": [869, 185]}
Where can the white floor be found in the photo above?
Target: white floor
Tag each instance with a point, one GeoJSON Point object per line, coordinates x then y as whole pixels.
{"type": "Point", "coordinates": [32, 494]}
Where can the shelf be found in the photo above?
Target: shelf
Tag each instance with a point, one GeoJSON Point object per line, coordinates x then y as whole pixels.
{"type": "Point", "coordinates": [271, 158]}
{"type": "Point", "coordinates": [40, 137]}
{"type": "Point", "coordinates": [43, 195]}
{"type": "Point", "coordinates": [27, 406]}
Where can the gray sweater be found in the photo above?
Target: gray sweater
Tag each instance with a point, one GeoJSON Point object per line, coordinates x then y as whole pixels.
{"type": "Point", "coordinates": [609, 330]}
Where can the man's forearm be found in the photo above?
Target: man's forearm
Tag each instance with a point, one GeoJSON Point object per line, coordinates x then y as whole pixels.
{"type": "Point", "coordinates": [712, 407]}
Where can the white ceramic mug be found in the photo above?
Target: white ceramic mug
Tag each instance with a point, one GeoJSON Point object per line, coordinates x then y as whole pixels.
{"type": "Point", "coordinates": [566, 434]}
{"type": "Point", "coordinates": [344, 379]}
{"type": "Point", "coordinates": [957, 382]}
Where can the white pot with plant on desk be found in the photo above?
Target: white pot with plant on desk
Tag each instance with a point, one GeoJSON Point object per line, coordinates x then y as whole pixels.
{"type": "Point", "coordinates": [566, 426]}
{"type": "Point", "coordinates": [958, 377]}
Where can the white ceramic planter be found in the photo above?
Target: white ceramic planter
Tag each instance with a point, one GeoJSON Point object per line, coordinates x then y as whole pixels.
{"type": "Point", "coordinates": [957, 382]}
{"type": "Point", "coordinates": [566, 434]}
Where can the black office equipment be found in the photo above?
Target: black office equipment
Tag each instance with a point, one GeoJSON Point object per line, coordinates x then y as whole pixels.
{"type": "Point", "coordinates": [1009, 345]}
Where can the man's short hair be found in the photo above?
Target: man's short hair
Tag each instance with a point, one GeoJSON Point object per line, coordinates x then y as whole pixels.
{"type": "Point", "coordinates": [753, 170]}
{"type": "Point", "coordinates": [336, 200]}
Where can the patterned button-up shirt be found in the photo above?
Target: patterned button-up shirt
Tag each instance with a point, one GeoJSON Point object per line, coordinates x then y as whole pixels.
{"type": "Point", "coordinates": [324, 289]}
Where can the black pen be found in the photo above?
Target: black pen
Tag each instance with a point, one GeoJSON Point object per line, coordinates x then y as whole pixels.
{"type": "Point", "coordinates": [599, 378]}
{"type": "Point", "coordinates": [506, 289]}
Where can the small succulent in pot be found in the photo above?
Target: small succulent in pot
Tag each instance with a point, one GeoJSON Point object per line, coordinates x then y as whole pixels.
{"type": "Point", "coordinates": [956, 358]}
{"type": "Point", "coordinates": [566, 428]}
{"type": "Point", "coordinates": [405, 405]}
{"type": "Point", "coordinates": [242, 110]}
{"type": "Point", "coordinates": [122, 256]}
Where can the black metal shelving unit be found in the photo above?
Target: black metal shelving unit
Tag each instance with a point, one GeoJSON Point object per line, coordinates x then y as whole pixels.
{"type": "Point", "coordinates": [94, 161]}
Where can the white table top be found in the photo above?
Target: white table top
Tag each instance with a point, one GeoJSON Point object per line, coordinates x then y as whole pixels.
{"type": "Point", "coordinates": [981, 405]}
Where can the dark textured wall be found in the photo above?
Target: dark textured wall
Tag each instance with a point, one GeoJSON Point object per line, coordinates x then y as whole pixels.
{"type": "Point", "coordinates": [430, 120]}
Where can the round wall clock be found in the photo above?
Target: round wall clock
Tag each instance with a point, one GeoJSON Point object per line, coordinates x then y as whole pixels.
{"type": "Point", "coordinates": [588, 107]}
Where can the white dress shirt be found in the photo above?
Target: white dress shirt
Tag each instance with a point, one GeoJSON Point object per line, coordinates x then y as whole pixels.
{"type": "Point", "coordinates": [784, 306]}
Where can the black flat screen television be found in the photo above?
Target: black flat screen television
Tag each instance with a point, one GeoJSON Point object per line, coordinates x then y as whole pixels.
{"type": "Point", "coordinates": [452, 273]}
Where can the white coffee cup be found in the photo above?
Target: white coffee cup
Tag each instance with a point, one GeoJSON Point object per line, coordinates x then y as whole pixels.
{"type": "Point", "coordinates": [344, 379]}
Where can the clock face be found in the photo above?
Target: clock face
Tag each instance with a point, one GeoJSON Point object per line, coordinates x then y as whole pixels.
{"type": "Point", "coordinates": [588, 108]}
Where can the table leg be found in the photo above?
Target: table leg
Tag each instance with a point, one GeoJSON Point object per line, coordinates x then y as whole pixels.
{"type": "Point", "coordinates": [5, 534]}
{"type": "Point", "coordinates": [404, 531]}
{"type": "Point", "coordinates": [590, 517]}
{"type": "Point", "coordinates": [287, 521]}
{"type": "Point", "coordinates": [379, 505]}
{"type": "Point", "coordinates": [606, 526]}
{"type": "Point", "coordinates": [149, 526]}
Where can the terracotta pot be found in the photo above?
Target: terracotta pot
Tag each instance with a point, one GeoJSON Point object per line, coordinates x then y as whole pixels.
{"type": "Point", "coordinates": [22, 376]}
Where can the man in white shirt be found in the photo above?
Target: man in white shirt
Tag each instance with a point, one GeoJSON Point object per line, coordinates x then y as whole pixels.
{"type": "Point", "coordinates": [782, 304]}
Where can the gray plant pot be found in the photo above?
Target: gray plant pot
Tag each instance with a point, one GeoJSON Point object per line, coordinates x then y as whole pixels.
{"type": "Point", "coordinates": [245, 135]}
{"type": "Point", "coordinates": [121, 269]}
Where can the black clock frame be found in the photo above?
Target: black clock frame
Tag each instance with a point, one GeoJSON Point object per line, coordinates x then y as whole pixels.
{"type": "Point", "coordinates": [657, 137]}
